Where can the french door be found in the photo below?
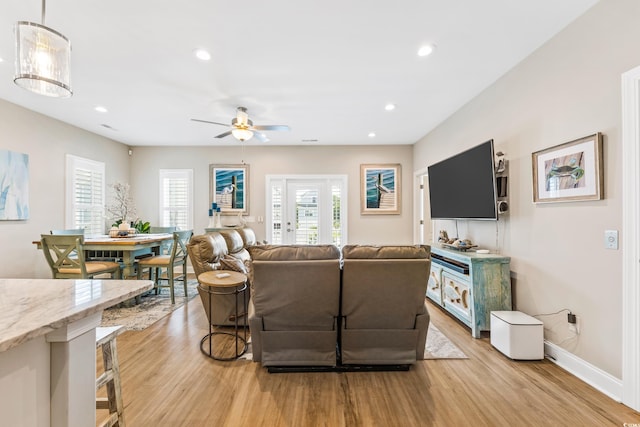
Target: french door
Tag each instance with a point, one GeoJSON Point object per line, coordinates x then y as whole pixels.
{"type": "Point", "coordinates": [306, 210]}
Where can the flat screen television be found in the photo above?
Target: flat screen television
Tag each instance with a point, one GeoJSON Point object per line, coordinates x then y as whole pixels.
{"type": "Point", "coordinates": [464, 186]}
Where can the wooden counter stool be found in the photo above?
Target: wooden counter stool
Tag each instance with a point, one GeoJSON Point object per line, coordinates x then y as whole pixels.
{"type": "Point", "coordinates": [106, 340]}
{"type": "Point", "coordinates": [225, 282]}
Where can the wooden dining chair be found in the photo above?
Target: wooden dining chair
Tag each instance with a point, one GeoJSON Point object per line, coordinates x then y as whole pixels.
{"type": "Point", "coordinates": [65, 255]}
{"type": "Point", "coordinates": [165, 248]}
{"type": "Point", "coordinates": [177, 257]}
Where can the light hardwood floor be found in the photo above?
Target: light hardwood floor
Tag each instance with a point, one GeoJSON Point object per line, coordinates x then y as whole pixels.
{"type": "Point", "coordinates": [168, 382]}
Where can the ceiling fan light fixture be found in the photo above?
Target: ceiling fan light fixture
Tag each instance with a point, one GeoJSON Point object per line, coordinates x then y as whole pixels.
{"type": "Point", "coordinates": [43, 58]}
{"type": "Point", "coordinates": [242, 134]}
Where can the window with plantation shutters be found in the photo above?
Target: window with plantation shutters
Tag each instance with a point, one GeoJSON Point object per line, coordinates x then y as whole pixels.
{"type": "Point", "coordinates": [276, 212]}
{"type": "Point", "coordinates": [85, 195]}
{"type": "Point", "coordinates": [176, 198]}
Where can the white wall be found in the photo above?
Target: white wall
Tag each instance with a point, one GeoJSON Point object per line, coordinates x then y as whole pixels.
{"type": "Point", "coordinates": [270, 160]}
{"type": "Point", "coordinates": [568, 89]}
{"type": "Point", "coordinates": [46, 141]}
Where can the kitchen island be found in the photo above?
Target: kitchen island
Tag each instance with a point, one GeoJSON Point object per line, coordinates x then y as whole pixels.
{"type": "Point", "coordinates": [48, 349]}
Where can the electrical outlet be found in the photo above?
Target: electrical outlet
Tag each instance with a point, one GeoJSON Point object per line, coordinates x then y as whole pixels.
{"type": "Point", "coordinates": [574, 326]}
{"type": "Point", "coordinates": [611, 239]}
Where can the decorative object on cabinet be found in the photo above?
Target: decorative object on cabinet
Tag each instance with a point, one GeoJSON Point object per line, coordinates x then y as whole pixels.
{"type": "Point", "coordinates": [14, 185]}
{"type": "Point", "coordinates": [380, 189]}
{"type": "Point", "coordinates": [469, 285]}
{"type": "Point", "coordinates": [229, 188]}
{"type": "Point", "coordinates": [569, 172]}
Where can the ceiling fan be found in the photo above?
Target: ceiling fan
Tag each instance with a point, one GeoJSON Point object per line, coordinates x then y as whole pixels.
{"type": "Point", "coordinates": [243, 129]}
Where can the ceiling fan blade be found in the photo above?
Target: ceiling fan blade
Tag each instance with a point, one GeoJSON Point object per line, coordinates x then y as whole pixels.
{"type": "Point", "coordinates": [272, 127]}
{"type": "Point", "coordinates": [222, 135]}
{"type": "Point", "coordinates": [260, 136]}
{"type": "Point", "coordinates": [210, 122]}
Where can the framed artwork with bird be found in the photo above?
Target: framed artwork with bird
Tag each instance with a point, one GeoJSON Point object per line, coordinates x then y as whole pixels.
{"type": "Point", "coordinates": [229, 188]}
{"type": "Point", "coordinates": [380, 189]}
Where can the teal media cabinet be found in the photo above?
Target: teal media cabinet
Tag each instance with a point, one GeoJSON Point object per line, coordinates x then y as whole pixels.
{"type": "Point", "coordinates": [469, 285]}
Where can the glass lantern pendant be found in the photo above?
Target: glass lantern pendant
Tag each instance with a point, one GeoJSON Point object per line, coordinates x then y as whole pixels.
{"type": "Point", "coordinates": [43, 58]}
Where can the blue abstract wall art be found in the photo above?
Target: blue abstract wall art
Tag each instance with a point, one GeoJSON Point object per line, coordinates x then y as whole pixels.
{"type": "Point", "coordinates": [14, 185]}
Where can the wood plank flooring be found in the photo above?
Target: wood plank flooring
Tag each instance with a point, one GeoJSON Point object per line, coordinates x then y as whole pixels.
{"type": "Point", "coordinates": [167, 381]}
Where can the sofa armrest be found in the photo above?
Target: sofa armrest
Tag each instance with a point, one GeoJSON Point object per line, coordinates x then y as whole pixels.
{"type": "Point", "coordinates": [256, 327]}
{"type": "Point", "coordinates": [422, 325]}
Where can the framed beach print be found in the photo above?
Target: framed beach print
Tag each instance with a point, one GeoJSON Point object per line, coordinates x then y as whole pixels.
{"type": "Point", "coordinates": [14, 185]}
{"type": "Point", "coordinates": [380, 189]}
{"type": "Point", "coordinates": [229, 188]}
{"type": "Point", "coordinates": [569, 172]}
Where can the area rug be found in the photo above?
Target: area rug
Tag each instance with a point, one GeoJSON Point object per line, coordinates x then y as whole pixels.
{"type": "Point", "coordinates": [152, 307]}
{"type": "Point", "coordinates": [438, 347]}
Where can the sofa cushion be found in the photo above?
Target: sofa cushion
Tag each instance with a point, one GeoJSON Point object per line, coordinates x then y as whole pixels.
{"type": "Point", "coordinates": [385, 252]}
{"type": "Point", "coordinates": [233, 239]}
{"type": "Point", "coordinates": [235, 245]}
{"type": "Point", "coordinates": [248, 236]}
{"type": "Point", "coordinates": [233, 264]}
{"type": "Point", "coordinates": [205, 252]}
{"type": "Point", "coordinates": [293, 252]}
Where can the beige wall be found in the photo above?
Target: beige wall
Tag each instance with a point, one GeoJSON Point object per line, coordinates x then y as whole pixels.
{"type": "Point", "coordinates": [568, 89]}
{"type": "Point", "coordinates": [47, 142]}
{"type": "Point", "coordinates": [274, 160]}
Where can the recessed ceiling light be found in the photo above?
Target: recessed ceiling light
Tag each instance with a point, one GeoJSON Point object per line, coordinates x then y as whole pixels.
{"type": "Point", "coordinates": [426, 50]}
{"type": "Point", "coordinates": [1, 60]}
{"type": "Point", "coordinates": [202, 54]}
{"type": "Point", "coordinates": [372, 134]}
{"type": "Point", "coordinates": [389, 107]}
{"type": "Point", "coordinates": [100, 109]}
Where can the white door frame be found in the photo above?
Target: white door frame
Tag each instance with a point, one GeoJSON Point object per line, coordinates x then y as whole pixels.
{"type": "Point", "coordinates": [630, 241]}
{"type": "Point", "coordinates": [419, 209]}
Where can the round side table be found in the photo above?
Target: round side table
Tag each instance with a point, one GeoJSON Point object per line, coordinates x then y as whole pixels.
{"type": "Point", "coordinates": [232, 283]}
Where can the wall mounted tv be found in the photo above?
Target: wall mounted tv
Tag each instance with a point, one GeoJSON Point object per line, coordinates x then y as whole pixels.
{"type": "Point", "coordinates": [464, 186]}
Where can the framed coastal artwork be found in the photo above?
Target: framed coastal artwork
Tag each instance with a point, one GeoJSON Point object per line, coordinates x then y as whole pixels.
{"type": "Point", "coordinates": [380, 189]}
{"type": "Point", "coordinates": [229, 188]}
{"type": "Point", "coordinates": [14, 185]}
{"type": "Point", "coordinates": [569, 172]}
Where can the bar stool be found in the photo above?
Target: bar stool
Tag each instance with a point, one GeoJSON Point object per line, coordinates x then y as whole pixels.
{"type": "Point", "coordinates": [106, 340]}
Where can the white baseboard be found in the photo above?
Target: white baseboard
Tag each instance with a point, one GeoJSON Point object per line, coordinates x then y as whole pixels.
{"type": "Point", "coordinates": [592, 375]}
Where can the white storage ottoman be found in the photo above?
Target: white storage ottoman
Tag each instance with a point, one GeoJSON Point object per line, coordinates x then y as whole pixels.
{"type": "Point", "coordinates": [517, 335]}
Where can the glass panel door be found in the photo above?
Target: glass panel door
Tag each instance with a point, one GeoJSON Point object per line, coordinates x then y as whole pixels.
{"type": "Point", "coordinates": [304, 207]}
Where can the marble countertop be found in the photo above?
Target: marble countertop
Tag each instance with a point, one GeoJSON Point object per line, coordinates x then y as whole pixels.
{"type": "Point", "coordinates": [30, 308]}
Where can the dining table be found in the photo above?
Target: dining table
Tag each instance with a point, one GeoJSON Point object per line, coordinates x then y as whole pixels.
{"type": "Point", "coordinates": [125, 247]}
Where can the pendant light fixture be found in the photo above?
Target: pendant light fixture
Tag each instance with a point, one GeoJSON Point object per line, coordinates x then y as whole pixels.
{"type": "Point", "coordinates": [43, 58]}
